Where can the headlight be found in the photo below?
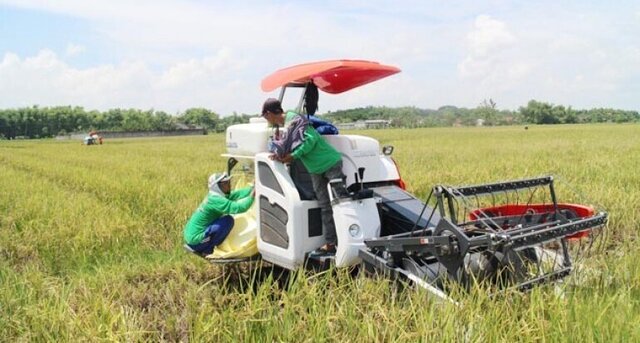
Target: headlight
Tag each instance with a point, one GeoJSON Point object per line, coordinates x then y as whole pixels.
{"type": "Point", "coordinates": [387, 150]}
{"type": "Point", "coordinates": [354, 230]}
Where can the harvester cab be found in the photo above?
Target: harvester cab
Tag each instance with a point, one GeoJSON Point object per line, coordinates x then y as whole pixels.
{"type": "Point", "coordinates": [517, 237]}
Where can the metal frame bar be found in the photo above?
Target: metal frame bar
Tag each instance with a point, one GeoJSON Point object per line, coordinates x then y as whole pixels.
{"type": "Point", "coordinates": [499, 186]}
{"type": "Point", "coordinates": [449, 243]}
{"type": "Point", "coordinates": [539, 235]}
{"type": "Point", "coordinates": [294, 85]}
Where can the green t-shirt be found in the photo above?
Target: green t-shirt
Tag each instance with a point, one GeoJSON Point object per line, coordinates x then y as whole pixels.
{"type": "Point", "coordinates": [213, 207]}
{"type": "Point", "coordinates": [315, 153]}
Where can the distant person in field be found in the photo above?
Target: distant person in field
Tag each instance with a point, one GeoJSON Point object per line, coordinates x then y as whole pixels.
{"type": "Point", "coordinates": [212, 221]}
{"type": "Point", "coordinates": [324, 163]}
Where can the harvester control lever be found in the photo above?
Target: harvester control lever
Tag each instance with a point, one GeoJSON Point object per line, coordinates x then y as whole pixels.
{"type": "Point", "coordinates": [361, 174]}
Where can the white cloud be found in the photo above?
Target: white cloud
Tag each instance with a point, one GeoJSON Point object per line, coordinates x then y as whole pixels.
{"type": "Point", "coordinates": [199, 70]}
{"type": "Point", "coordinates": [172, 55]}
{"type": "Point", "coordinates": [493, 65]}
{"type": "Point", "coordinates": [46, 80]}
{"type": "Point", "coordinates": [280, 33]}
{"type": "Point", "coordinates": [74, 49]}
{"type": "Point", "coordinates": [487, 46]}
{"type": "Point", "coordinates": [217, 82]}
{"type": "Point", "coordinates": [488, 36]}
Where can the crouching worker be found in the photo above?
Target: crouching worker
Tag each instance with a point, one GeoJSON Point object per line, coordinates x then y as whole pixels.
{"type": "Point", "coordinates": [212, 221]}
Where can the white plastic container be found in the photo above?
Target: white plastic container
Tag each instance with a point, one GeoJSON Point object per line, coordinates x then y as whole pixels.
{"type": "Point", "coordinates": [247, 139]}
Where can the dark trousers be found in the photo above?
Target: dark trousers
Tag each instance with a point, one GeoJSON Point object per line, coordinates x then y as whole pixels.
{"type": "Point", "coordinates": [215, 234]}
{"type": "Point", "coordinates": [320, 182]}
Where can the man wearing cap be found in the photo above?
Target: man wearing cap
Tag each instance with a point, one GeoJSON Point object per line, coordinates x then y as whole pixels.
{"type": "Point", "coordinates": [323, 162]}
{"type": "Point", "coordinates": [212, 221]}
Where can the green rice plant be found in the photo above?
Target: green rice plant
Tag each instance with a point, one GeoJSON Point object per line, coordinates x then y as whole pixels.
{"type": "Point", "coordinates": [90, 246]}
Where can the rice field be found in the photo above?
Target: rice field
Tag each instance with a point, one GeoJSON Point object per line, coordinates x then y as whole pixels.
{"type": "Point", "coordinates": [91, 246]}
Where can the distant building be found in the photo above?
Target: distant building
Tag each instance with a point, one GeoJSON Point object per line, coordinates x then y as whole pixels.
{"type": "Point", "coordinates": [365, 124]}
{"type": "Point", "coordinates": [182, 126]}
{"type": "Point", "coordinates": [377, 123]}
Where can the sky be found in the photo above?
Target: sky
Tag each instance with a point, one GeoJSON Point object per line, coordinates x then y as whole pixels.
{"type": "Point", "coordinates": [172, 55]}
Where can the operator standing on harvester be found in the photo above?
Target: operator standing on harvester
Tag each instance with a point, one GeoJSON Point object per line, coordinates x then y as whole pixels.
{"type": "Point", "coordinates": [323, 162]}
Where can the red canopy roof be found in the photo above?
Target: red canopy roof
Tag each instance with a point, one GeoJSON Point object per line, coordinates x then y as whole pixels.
{"type": "Point", "coordinates": [333, 77]}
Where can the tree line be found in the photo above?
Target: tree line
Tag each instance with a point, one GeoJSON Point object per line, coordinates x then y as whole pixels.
{"type": "Point", "coordinates": [486, 113]}
{"type": "Point", "coordinates": [42, 122]}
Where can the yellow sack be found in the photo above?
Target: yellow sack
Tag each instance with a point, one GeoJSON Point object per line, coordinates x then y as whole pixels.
{"type": "Point", "coordinates": [242, 240]}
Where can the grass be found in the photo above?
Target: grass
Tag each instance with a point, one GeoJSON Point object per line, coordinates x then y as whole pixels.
{"type": "Point", "coordinates": [90, 246]}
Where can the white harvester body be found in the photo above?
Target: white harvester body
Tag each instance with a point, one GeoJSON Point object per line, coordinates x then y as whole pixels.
{"type": "Point", "coordinates": [290, 226]}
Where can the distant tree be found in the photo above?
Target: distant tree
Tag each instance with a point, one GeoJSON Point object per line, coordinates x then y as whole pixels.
{"type": "Point", "coordinates": [163, 122]}
{"type": "Point", "coordinates": [487, 111]}
{"type": "Point", "coordinates": [539, 113]}
{"type": "Point", "coordinates": [570, 116]}
{"type": "Point", "coordinates": [36, 122]}
{"type": "Point", "coordinates": [113, 119]}
{"type": "Point", "coordinates": [136, 120]}
{"type": "Point", "coordinates": [201, 117]}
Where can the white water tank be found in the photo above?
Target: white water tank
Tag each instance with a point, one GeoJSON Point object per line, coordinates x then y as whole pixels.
{"type": "Point", "coordinates": [248, 139]}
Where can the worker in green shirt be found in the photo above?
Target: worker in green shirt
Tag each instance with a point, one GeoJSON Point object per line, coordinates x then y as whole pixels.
{"type": "Point", "coordinates": [211, 222]}
{"type": "Point", "coordinates": [323, 162]}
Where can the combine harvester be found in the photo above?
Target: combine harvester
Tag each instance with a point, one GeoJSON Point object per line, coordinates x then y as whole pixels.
{"type": "Point", "coordinates": [511, 234]}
